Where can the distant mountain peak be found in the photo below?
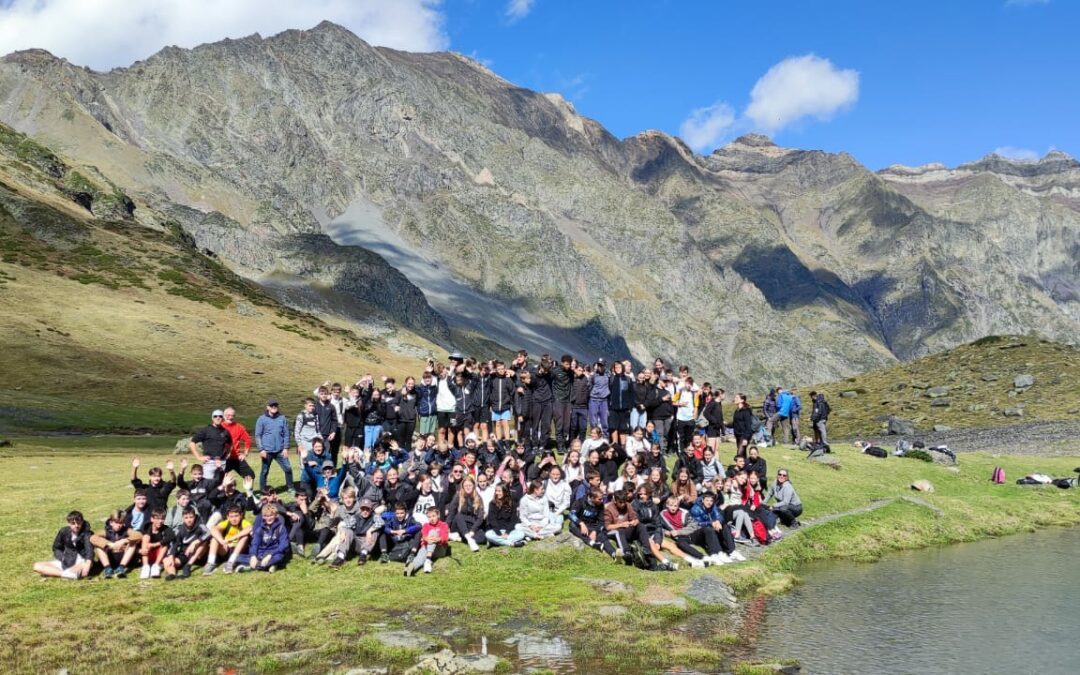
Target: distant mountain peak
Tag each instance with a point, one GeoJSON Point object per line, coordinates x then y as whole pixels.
{"type": "Point", "coordinates": [754, 141]}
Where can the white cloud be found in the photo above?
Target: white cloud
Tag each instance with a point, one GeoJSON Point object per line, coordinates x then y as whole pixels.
{"type": "Point", "coordinates": [800, 87]}
{"type": "Point", "coordinates": [1010, 152]}
{"type": "Point", "coordinates": [705, 127]}
{"type": "Point", "coordinates": [106, 33]}
{"type": "Point", "coordinates": [518, 9]}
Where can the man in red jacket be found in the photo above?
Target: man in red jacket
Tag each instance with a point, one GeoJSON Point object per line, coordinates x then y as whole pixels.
{"type": "Point", "coordinates": [241, 445]}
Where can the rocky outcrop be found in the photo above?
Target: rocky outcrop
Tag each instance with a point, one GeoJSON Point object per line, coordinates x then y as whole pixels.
{"type": "Point", "coordinates": [756, 264]}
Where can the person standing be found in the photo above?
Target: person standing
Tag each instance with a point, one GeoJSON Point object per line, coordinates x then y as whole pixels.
{"type": "Point", "coordinates": [819, 417]}
{"type": "Point", "coordinates": [621, 402]}
{"type": "Point", "coordinates": [326, 423]}
{"type": "Point", "coordinates": [599, 393]}
{"type": "Point", "coordinates": [240, 445]}
{"type": "Point", "coordinates": [407, 413]}
{"type": "Point", "coordinates": [216, 444]}
{"type": "Point", "coordinates": [272, 442]}
{"type": "Point", "coordinates": [579, 403]}
{"type": "Point", "coordinates": [426, 393]}
{"type": "Point", "coordinates": [562, 381]}
{"type": "Point", "coordinates": [743, 424]}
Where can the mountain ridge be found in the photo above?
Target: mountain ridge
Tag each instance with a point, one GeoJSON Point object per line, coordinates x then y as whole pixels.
{"type": "Point", "coordinates": [805, 265]}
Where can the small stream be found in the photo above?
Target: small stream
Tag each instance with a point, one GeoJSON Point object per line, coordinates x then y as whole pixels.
{"type": "Point", "coordinates": [1009, 605]}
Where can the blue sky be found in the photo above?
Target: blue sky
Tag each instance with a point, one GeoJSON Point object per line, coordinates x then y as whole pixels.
{"type": "Point", "coordinates": [938, 81]}
{"type": "Point", "coordinates": [891, 81]}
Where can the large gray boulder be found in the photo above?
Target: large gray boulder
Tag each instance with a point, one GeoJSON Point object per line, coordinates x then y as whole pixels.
{"type": "Point", "coordinates": [899, 426]}
{"type": "Point", "coordinates": [711, 591]}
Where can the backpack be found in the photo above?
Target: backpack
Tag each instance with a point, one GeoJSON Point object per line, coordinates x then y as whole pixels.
{"type": "Point", "coordinates": [816, 450]}
{"type": "Point", "coordinates": [760, 533]}
{"type": "Point", "coordinates": [875, 451]}
{"type": "Point", "coordinates": [642, 557]}
{"type": "Point", "coordinates": [998, 476]}
{"type": "Point", "coordinates": [755, 424]}
{"type": "Point", "coordinates": [1064, 483]}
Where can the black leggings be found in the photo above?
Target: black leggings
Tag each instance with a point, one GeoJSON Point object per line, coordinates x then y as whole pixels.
{"type": "Point", "coordinates": [469, 526]}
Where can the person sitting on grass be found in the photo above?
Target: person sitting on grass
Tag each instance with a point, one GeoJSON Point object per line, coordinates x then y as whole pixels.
{"type": "Point", "coordinates": [190, 542]}
{"type": "Point", "coordinates": [621, 522]}
{"type": "Point", "coordinates": [365, 538]}
{"type": "Point", "coordinates": [73, 554]}
{"type": "Point", "coordinates": [651, 531]}
{"type": "Point", "coordinates": [200, 487]}
{"type": "Point", "coordinates": [341, 524]}
{"type": "Point", "coordinates": [465, 515]}
{"type": "Point", "coordinates": [301, 523]}
{"type": "Point", "coordinates": [502, 520]}
{"type": "Point", "coordinates": [230, 538]}
{"type": "Point", "coordinates": [788, 506]}
{"type": "Point", "coordinates": [432, 543]}
{"type": "Point", "coordinates": [708, 515]}
{"type": "Point", "coordinates": [683, 488]}
{"type": "Point", "coordinates": [587, 522]}
{"type": "Point", "coordinates": [155, 543]}
{"type": "Point", "coordinates": [174, 515]}
{"type": "Point", "coordinates": [681, 529]}
{"type": "Point", "coordinates": [400, 531]}
{"type": "Point", "coordinates": [269, 542]}
{"type": "Point", "coordinates": [227, 496]}
{"type": "Point", "coordinates": [158, 489]}
{"type": "Point", "coordinates": [114, 548]}
{"type": "Point", "coordinates": [535, 519]}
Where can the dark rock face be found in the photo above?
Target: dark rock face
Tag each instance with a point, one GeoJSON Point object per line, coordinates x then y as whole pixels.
{"type": "Point", "coordinates": [754, 264]}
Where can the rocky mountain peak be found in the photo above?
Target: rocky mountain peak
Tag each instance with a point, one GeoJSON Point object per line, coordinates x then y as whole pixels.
{"type": "Point", "coordinates": [754, 141]}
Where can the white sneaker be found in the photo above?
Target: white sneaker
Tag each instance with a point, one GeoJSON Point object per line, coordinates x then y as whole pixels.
{"type": "Point", "coordinates": [145, 574]}
{"type": "Point", "coordinates": [737, 557]}
{"type": "Point", "coordinates": [427, 567]}
{"type": "Point", "coordinates": [454, 536]}
{"type": "Point", "coordinates": [472, 544]}
{"type": "Point", "coordinates": [155, 571]}
{"type": "Point", "coordinates": [720, 558]}
{"type": "Point", "coordinates": [69, 574]}
{"type": "Point", "coordinates": [695, 562]}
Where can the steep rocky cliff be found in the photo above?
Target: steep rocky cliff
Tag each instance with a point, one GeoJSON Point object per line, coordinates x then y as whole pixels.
{"type": "Point", "coordinates": [754, 264]}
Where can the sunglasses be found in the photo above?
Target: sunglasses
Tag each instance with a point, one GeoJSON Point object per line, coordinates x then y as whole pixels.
{"type": "Point", "coordinates": [781, 475]}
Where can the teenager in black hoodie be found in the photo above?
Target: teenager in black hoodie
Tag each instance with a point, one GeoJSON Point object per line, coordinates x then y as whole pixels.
{"type": "Point", "coordinates": [73, 554]}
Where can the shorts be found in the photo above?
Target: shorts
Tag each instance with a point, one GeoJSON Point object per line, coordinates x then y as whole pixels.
{"type": "Point", "coordinates": [444, 419]}
{"type": "Point", "coordinates": [427, 424]}
{"type": "Point", "coordinates": [482, 416]}
{"type": "Point", "coordinates": [58, 564]}
{"type": "Point", "coordinates": [618, 420]}
{"type": "Point", "coordinates": [464, 421]}
{"type": "Point", "coordinates": [503, 416]}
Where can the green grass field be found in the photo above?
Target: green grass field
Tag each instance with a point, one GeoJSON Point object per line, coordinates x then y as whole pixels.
{"type": "Point", "coordinates": [198, 625]}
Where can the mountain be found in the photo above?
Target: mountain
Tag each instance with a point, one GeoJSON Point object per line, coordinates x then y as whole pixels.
{"type": "Point", "coordinates": [997, 380]}
{"type": "Point", "coordinates": [527, 224]}
{"type": "Point", "coordinates": [109, 323]}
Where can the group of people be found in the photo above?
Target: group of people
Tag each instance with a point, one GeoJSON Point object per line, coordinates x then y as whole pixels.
{"type": "Point", "coordinates": [485, 454]}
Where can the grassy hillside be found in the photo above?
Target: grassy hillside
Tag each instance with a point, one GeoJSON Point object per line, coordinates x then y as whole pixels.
{"type": "Point", "coordinates": [857, 512]}
{"type": "Point", "coordinates": [980, 386]}
{"type": "Point", "coordinates": [109, 325]}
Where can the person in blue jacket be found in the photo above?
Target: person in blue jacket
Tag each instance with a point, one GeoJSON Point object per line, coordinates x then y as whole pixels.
{"type": "Point", "coordinates": [707, 513]}
{"type": "Point", "coordinates": [272, 441]}
{"type": "Point", "coordinates": [269, 542]}
{"type": "Point", "coordinates": [330, 481]}
{"type": "Point", "coordinates": [782, 415]}
{"type": "Point", "coordinates": [400, 531]}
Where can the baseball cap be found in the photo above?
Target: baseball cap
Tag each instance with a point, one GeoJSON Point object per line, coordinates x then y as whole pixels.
{"type": "Point", "coordinates": [217, 413]}
{"type": "Point", "coordinates": [601, 360]}
{"type": "Point", "coordinates": [366, 503]}
{"type": "Point", "coordinates": [272, 403]}
{"type": "Point", "coordinates": [327, 465]}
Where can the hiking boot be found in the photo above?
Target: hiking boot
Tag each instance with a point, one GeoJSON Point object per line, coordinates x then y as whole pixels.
{"type": "Point", "coordinates": [120, 572]}
{"type": "Point", "coordinates": [384, 558]}
{"type": "Point", "coordinates": [107, 573]}
{"type": "Point", "coordinates": [795, 524]}
{"type": "Point", "coordinates": [185, 571]}
{"type": "Point", "coordinates": [209, 569]}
